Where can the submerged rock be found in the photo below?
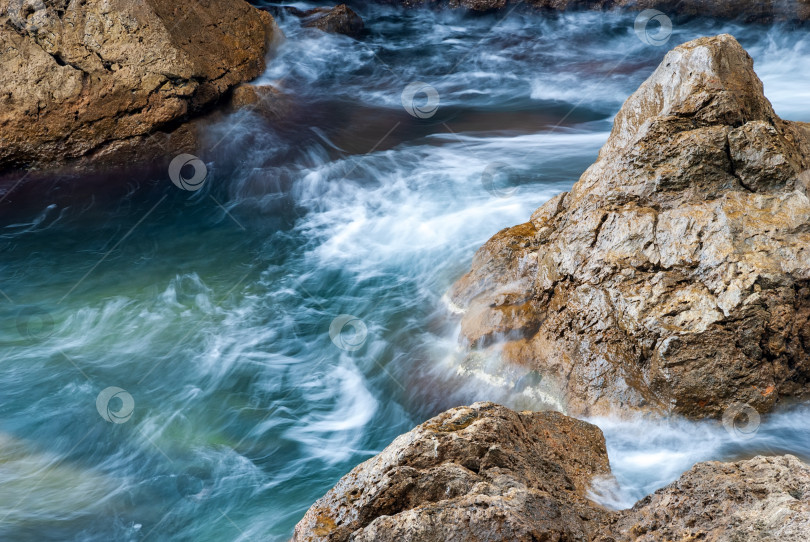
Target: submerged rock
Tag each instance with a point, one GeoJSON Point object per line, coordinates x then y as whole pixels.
{"type": "Point", "coordinates": [96, 79]}
{"type": "Point", "coordinates": [675, 276]}
{"type": "Point", "coordinates": [485, 473]}
{"type": "Point", "coordinates": [472, 473]}
{"type": "Point", "coordinates": [340, 19]}
{"type": "Point", "coordinates": [263, 99]}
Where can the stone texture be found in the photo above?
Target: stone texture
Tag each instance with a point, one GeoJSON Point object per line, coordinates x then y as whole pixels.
{"type": "Point", "coordinates": [675, 276]}
{"type": "Point", "coordinates": [94, 78]}
{"type": "Point", "coordinates": [266, 100]}
{"type": "Point", "coordinates": [337, 20]}
{"type": "Point", "coordinates": [762, 499]}
{"type": "Point", "coordinates": [472, 473]}
{"type": "Point", "coordinates": [486, 473]}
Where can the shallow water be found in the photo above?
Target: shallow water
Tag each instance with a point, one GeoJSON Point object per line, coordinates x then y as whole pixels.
{"type": "Point", "coordinates": [212, 309]}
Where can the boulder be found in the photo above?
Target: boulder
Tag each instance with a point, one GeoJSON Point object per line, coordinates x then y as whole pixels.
{"type": "Point", "coordinates": [761, 499]}
{"type": "Point", "coordinates": [484, 473]}
{"type": "Point", "coordinates": [92, 80]}
{"type": "Point", "coordinates": [675, 276]}
{"type": "Point", "coordinates": [337, 20]}
{"type": "Point", "coordinates": [474, 473]}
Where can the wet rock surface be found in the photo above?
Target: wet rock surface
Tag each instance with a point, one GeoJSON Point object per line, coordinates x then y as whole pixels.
{"type": "Point", "coordinates": [484, 473]}
{"type": "Point", "coordinates": [675, 276]}
{"type": "Point", "coordinates": [96, 80]}
{"type": "Point", "coordinates": [764, 498]}
{"type": "Point", "coordinates": [340, 19]}
{"type": "Point", "coordinates": [472, 473]}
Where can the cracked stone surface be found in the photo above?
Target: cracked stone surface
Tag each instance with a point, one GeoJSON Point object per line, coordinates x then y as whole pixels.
{"type": "Point", "coordinates": [483, 472]}
{"type": "Point", "coordinates": [760, 499]}
{"type": "Point", "coordinates": [675, 276]}
{"type": "Point", "coordinates": [88, 79]}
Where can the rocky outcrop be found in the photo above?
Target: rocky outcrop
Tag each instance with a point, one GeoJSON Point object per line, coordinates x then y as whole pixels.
{"type": "Point", "coordinates": [675, 276]}
{"type": "Point", "coordinates": [746, 10]}
{"type": "Point", "coordinates": [484, 473]}
{"type": "Point", "coordinates": [337, 20]}
{"type": "Point", "coordinates": [92, 80]}
{"type": "Point", "coordinates": [761, 499]}
{"type": "Point", "coordinates": [470, 474]}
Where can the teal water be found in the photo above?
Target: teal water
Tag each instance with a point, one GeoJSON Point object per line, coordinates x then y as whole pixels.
{"type": "Point", "coordinates": [212, 309]}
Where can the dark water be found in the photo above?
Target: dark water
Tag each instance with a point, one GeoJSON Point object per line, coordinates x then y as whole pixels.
{"type": "Point", "coordinates": [211, 310]}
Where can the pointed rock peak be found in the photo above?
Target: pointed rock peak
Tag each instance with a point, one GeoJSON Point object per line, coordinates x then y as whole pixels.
{"type": "Point", "coordinates": [707, 81]}
{"type": "Point", "coordinates": [698, 127]}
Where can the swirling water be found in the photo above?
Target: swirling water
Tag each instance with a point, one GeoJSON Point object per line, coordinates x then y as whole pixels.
{"type": "Point", "coordinates": [212, 309]}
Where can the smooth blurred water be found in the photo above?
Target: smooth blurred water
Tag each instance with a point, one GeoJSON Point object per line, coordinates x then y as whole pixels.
{"type": "Point", "coordinates": [213, 309]}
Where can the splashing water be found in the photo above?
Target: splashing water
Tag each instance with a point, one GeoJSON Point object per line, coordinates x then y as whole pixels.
{"type": "Point", "coordinates": [218, 311]}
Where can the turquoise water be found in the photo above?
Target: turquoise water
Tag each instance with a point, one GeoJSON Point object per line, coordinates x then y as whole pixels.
{"type": "Point", "coordinates": [212, 309]}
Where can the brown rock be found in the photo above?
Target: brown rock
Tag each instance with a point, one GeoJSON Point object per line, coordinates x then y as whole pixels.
{"type": "Point", "coordinates": [88, 79]}
{"type": "Point", "coordinates": [484, 473]}
{"type": "Point", "coordinates": [337, 20]}
{"type": "Point", "coordinates": [472, 473]}
{"type": "Point", "coordinates": [762, 499]}
{"type": "Point", "coordinates": [264, 99]}
{"type": "Point", "coordinates": [675, 276]}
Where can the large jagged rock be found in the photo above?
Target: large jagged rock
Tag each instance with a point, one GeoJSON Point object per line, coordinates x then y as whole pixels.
{"type": "Point", "coordinates": [94, 78]}
{"type": "Point", "coordinates": [675, 276]}
{"type": "Point", "coordinates": [486, 473]}
{"type": "Point", "coordinates": [762, 499]}
{"type": "Point", "coordinates": [475, 473]}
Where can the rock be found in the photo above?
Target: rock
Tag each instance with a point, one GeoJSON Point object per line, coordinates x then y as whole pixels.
{"type": "Point", "coordinates": [764, 498]}
{"type": "Point", "coordinates": [337, 20]}
{"type": "Point", "coordinates": [89, 80]}
{"type": "Point", "coordinates": [472, 473]}
{"type": "Point", "coordinates": [264, 99]}
{"type": "Point", "coordinates": [484, 472]}
{"type": "Point", "coordinates": [675, 276]}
